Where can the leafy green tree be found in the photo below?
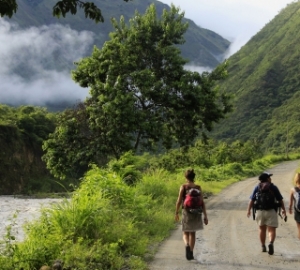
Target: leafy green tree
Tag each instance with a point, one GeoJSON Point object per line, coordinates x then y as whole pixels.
{"type": "Point", "coordinates": [8, 7]}
{"type": "Point", "coordinates": [61, 8]}
{"type": "Point", "coordinates": [36, 122]}
{"type": "Point", "coordinates": [140, 93]}
{"type": "Point", "coordinates": [68, 148]}
{"type": "Point", "coordinates": [6, 114]}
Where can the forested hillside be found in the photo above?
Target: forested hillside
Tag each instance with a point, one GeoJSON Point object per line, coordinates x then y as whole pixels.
{"type": "Point", "coordinates": [264, 78]}
{"type": "Point", "coordinates": [203, 47]}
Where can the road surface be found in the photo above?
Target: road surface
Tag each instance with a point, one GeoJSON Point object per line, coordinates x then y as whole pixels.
{"type": "Point", "coordinates": [230, 240]}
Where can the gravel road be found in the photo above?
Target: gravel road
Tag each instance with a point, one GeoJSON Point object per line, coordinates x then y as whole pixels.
{"type": "Point", "coordinates": [230, 240]}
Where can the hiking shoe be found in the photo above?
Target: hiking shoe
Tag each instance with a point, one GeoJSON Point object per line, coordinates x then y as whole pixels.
{"type": "Point", "coordinates": [191, 255]}
{"type": "Point", "coordinates": [271, 249]}
{"type": "Point", "coordinates": [187, 252]}
{"type": "Point", "coordinates": [263, 248]}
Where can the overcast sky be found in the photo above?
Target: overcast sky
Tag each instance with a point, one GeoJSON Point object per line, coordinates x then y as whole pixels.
{"type": "Point", "coordinates": [31, 49]}
{"type": "Point", "coordinates": [236, 20]}
{"type": "Point", "coordinates": [231, 18]}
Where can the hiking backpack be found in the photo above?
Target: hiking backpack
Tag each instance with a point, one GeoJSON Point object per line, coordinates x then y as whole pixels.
{"type": "Point", "coordinates": [264, 197]}
{"type": "Point", "coordinates": [297, 199]}
{"type": "Point", "coordinates": [193, 199]}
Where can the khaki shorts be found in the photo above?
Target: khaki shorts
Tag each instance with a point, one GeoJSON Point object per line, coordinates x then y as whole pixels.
{"type": "Point", "coordinates": [191, 222]}
{"type": "Point", "coordinates": [267, 217]}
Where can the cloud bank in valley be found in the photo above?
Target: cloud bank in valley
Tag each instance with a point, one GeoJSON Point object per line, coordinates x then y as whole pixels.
{"type": "Point", "coordinates": [34, 50]}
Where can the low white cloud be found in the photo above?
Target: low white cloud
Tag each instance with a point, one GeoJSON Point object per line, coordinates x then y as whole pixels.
{"type": "Point", "coordinates": [52, 87]}
{"type": "Point", "coordinates": [197, 68]}
{"type": "Point", "coordinates": [235, 45]}
{"type": "Point", "coordinates": [33, 51]}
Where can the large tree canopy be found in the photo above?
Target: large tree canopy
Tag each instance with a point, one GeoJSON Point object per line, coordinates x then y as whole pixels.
{"type": "Point", "coordinates": [140, 93]}
{"type": "Point", "coordinates": [61, 8]}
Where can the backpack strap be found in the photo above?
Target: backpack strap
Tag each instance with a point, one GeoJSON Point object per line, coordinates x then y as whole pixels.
{"type": "Point", "coordinates": [185, 189]}
{"type": "Point", "coordinates": [184, 194]}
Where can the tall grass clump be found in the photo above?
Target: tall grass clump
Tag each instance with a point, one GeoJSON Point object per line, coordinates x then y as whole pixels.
{"type": "Point", "coordinates": [106, 224]}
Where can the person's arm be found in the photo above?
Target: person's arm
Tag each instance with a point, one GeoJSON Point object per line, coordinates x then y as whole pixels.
{"type": "Point", "coordinates": [282, 208]}
{"type": "Point", "coordinates": [205, 219]}
{"type": "Point", "coordinates": [279, 198]}
{"type": "Point", "coordinates": [250, 205]}
{"type": "Point", "coordinates": [291, 201]}
{"type": "Point", "coordinates": [179, 202]}
{"type": "Point", "coordinates": [251, 202]}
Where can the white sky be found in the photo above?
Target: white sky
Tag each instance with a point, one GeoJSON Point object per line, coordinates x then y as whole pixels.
{"type": "Point", "coordinates": [236, 20]}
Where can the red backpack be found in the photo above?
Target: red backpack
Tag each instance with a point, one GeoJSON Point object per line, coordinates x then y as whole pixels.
{"type": "Point", "coordinates": [193, 198]}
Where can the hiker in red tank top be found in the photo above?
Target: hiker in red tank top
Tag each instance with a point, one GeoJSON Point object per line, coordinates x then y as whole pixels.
{"type": "Point", "coordinates": [190, 200]}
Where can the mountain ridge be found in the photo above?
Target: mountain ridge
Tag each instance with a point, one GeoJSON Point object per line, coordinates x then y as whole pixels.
{"type": "Point", "coordinates": [203, 47]}
{"type": "Point", "coordinates": [263, 76]}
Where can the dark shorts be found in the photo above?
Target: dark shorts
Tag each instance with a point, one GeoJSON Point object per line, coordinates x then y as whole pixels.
{"type": "Point", "coordinates": [297, 215]}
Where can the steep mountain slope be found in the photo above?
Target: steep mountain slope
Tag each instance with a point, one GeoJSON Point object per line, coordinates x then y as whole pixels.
{"type": "Point", "coordinates": [264, 78]}
{"type": "Point", "coordinates": [203, 47]}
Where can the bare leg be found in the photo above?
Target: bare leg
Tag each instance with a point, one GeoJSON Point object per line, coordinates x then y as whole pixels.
{"type": "Point", "coordinates": [298, 226]}
{"type": "Point", "coordinates": [186, 238]}
{"type": "Point", "coordinates": [262, 234]}
{"type": "Point", "coordinates": [192, 240]}
{"type": "Point", "coordinates": [272, 234]}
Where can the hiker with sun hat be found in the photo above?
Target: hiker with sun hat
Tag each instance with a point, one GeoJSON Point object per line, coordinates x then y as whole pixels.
{"type": "Point", "coordinates": [266, 199]}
